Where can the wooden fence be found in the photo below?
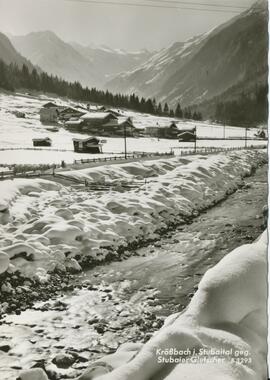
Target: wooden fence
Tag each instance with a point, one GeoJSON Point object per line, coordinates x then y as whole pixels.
{"type": "Point", "coordinates": [213, 150]}
{"type": "Point", "coordinates": [123, 157]}
{"type": "Point", "coordinates": [51, 170]}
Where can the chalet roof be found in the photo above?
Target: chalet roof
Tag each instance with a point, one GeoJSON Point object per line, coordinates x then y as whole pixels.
{"type": "Point", "coordinates": [186, 128]}
{"type": "Point", "coordinates": [89, 138]}
{"type": "Point", "coordinates": [91, 107]}
{"type": "Point", "coordinates": [119, 121]}
{"type": "Point", "coordinates": [74, 122]}
{"type": "Point", "coordinates": [41, 139]}
{"type": "Point", "coordinates": [160, 124]}
{"type": "Point", "coordinates": [71, 109]}
{"type": "Point", "coordinates": [97, 115]}
{"type": "Point", "coordinates": [50, 105]}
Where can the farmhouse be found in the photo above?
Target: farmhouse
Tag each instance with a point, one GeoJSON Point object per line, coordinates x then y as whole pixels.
{"type": "Point", "coordinates": [45, 141]}
{"type": "Point", "coordinates": [69, 112]}
{"type": "Point", "coordinates": [97, 118]}
{"type": "Point", "coordinates": [49, 112]}
{"type": "Point", "coordinates": [164, 131]}
{"type": "Point", "coordinates": [187, 133]}
{"type": "Point", "coordinates": [120, 126]}
{"type": "Point", "coordinates": [89, 145]}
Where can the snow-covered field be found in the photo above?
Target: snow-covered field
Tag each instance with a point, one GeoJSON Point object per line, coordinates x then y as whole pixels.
{"type": "Point", "coordinates": [18, 133]}
{"type": "Point", "coordinates": [45, 225]}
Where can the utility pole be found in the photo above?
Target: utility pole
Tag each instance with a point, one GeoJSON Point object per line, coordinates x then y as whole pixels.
{"type": "Point", "coordinates": [125, 140]}
{"type": "Point", "coordinates": [246, 129]}
{"type": "Point", "coordinates": [224, 125]}
{"type": "Point", "coordinates": [195, 141]}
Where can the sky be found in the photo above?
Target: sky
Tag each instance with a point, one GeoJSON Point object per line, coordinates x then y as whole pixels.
{"type": "Point", "coordinates": [117, 26]}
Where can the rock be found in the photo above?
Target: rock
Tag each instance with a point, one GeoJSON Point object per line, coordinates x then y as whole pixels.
{"type": "Point", "coordinates": [4, 262]}
{"type": "Point", "coordinates": [63, 360]}
{"type": "Point", "coordinates": [4, 347]}
{"type": "Point", "coordinates": [33, 374]}
{"type": "Point", "coordinates": [93, 320]}
{"type": "Point", "coordinates": [6, 288]}
{"type": "Point", "coordinates": [100, 328]}
{"type": "Point", "coordinates": [73, 265]}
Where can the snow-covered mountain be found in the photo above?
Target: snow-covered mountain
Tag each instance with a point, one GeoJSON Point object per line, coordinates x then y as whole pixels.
{"type": "Point", "coordinates": [8, 53]}
{"type": "Point", "coordinates": [89, 65]}
{"type": "Point", "coordinates": [109, 62]}
{"type": "Point", "coordinates": [204, 66]}
{"type": "Point", "coordinates": [54, 56]}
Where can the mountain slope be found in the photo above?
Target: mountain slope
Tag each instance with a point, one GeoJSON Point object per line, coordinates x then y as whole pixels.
{"type": "Point", "coordinates": [90, 66]}
{"type": "Point", "coordinates": [147, 79]}
{"type": "Point", "coordinates": [206, 66]}
{"type": "Point", "coordinates": [55, 56]}
{"type": "Point", "coordinates": [9, 54]}
{"type": "Point", "coordinates": [110, 62]}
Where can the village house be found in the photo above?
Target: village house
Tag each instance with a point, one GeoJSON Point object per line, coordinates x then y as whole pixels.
{"type": "Point", "coordinates": [49, 113]}
{"type": "Point", "coordinates": [186, 133]}
{"type": "Point", "coordinates": [164, 131]}
{"type": "Point", "coordinates": [119, 127]}
{"type": "Point", "coordinates": [90, 144]}
{"type": "Point", "coordinates": [69, 112]}
{"type": "Point", "coordinates": [92, 121]}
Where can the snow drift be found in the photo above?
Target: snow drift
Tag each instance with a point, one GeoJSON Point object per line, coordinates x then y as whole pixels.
{"type": "Point", "coordinates": [47, 226]}
{"type": "Point", "coordinates": [221, 334]}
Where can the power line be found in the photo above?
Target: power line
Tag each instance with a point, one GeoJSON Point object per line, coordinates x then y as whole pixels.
{"type": "Point", "coordinates": [199, 4]}
{"type": "Point", "coordinates": [116, 3]}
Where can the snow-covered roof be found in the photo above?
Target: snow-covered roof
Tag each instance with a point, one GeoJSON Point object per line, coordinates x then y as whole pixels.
{"type": "Point", "coordinates": [74, 122]}
{"type": "Point", "coordinates": [183, 128]}
{"type": "Point", "coordinates": [119, 121]}
{"type": "Point", "coordinates": [71, 109]}
{"type": "Point", "coordinates": [41, 139]}
{"type": "Point", "coordinates": [96, 115]}
{"type": "Point", "coordinates": [89, 138]}
{"type": "Point", "coordinates": [49, 105]}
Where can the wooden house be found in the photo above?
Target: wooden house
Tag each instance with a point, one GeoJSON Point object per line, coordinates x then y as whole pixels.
{"type": "Point", "coordinates": [93, 120]}
{"type": "Point", "coordinates": [67, 113]}
{"type": "Point", "coordinates": [74, 124]}
{"type": "Point", "coordinates": [187, 133]}
{"type": "Point", "coordinates": [45, 141]}
{"type": "Point", "coordinates": [163, 131]}
{"type": "Point", "coordinates": [49, 113]}
{"type": "Point", "coordinates": [119, 127]}
{"type": "Point", "coordinates": [89, 145]}
{"type": "Point", "coordinates": [152, 131]}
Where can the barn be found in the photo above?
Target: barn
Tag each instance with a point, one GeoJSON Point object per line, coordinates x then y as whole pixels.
{"type": "Point", "coordinates": [43, 141]}
{"type": "Point", "coordinates": [89, 145]}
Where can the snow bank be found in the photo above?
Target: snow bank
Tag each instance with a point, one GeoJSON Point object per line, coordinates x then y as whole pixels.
{"type": "Point", "coordinates": [50, 226]}
{"type": "Point", "coordinates": [221, 334]}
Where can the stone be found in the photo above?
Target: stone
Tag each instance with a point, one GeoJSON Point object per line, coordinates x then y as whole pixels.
{"type": "Point", "coordinates": [4, 347]}
{"type": "Point", "coordinates": [63, 360]}
{"type": "Point", "coordinates": [33, 374]}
